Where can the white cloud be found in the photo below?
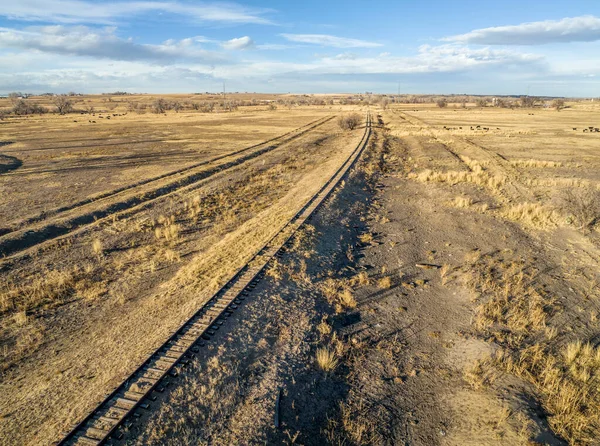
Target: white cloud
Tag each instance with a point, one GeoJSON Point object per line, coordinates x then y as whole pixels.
{"type": "Point", "coordinates": [104, 44]}
{"type": "Point", "coordinates": [241, 43]}
{"type": "Point", "coordinates": [327, 40]}
{"type": "Point", "coordinates": [273, 46]}
{"type": "Point", "coordinates": [100, 12]}
{"type": "Point", "coordinates": [571, 29]}
{"type": "Point", "coordinates": [430, 59]}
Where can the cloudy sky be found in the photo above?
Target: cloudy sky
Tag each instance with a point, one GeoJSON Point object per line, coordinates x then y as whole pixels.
{"type": "Point", "coordinates": [435, 46]}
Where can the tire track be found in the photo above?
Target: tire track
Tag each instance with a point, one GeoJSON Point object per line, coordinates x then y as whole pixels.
{"type": "Point", "coordinates": [514, 187]}
{"type": "Point", "coordinates": [19, 240]}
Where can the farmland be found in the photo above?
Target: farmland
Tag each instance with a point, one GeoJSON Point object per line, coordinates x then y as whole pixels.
{"type": "Point", "coordinates": [445, 292]}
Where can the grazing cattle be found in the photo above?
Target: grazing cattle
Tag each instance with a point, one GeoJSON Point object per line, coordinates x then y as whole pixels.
{"type": "Point", "coordinates": [497, 128]}
{"type": "Point", "coordinates": [460, 128]}
{"type": "Point", "coordinates": [585, 130]}
{"type": "Point", "coordinates": [597, 129]}
{"type": "Point", "coordinates": [574, 128]}
{"type": "Point", "coordinates": [74, 121]}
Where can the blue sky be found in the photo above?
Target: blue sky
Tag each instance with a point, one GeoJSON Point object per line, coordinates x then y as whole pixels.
{"type": "Point", "coordinates": [477, 47]}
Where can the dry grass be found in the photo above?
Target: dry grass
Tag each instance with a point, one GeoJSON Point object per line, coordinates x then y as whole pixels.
{"type": "Point", "coordinates": [324, 328]}
{"type": "Point", "coordinates": [361, 279]}
{"type": "Point", "coordinates": [532, 214]}
{"type": "Point", "coordinates": [347, 299]}
{"type": "Point", "coordinates": [49, 288]}
{"type": "Point", "coordinates": [97, 246]}
{"type": "Point", "coordinates": [462, 202]}
{"type": "Point", "coordinates": [384, 283]}
{"type": "Point", "coordinates": [480, 178]}
{"type": "Point", "coordinates": [326, 359]}
{"type": "Point", "coordinates": [514, 312]}
{"type": "Point", "coordinates": [338, 293]}
{"type": "Point", "coordinates": [366, 238]}
{"type": "Point", "coordinates": [355, 425]}
{"type": "Point", "coordinates": [532, 163]}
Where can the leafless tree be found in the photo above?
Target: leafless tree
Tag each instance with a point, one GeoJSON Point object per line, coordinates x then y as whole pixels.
{"type": "Point", "coordinates": [160, 105]}
{"type": "Point", "coordinates": [527, 101]}
{"type": "Point", "coordinates": [442, 103]}
{"type": "Point", "coordinates": [558, 104]}
{"type": "Point", "coordinates": [23, 107]}
{"type": "Point", "coordinates": [62, 103]}
{"type": "Point", "coordinates": [14, 97]}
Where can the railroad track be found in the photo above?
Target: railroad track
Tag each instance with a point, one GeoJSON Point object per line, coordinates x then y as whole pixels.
{"type": "Point", "coordinates": [42, 228]}
{"type": "Point", "coordinates": [136, 392]}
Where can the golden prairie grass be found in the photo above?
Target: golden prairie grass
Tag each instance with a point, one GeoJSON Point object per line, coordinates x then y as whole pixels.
{"type": "Point", "coordinates": [532, 214]}
{"type": "Point", "coordinates": [533, 163]}
{"type": "Point", "coordinates": [480, 178]}
{"type": "Point", "coordinates": [49, 288]}
{"type": "Point", "coordinates": [326, 359]}
{"type": "Point", "coordinates": [462, 202]}
{"type": "Point", "coordinates": [515, 312]}
{"type": "Point", "coordinates": [97, 246]}
{"type": "Point", "coordinates": [384, 283]}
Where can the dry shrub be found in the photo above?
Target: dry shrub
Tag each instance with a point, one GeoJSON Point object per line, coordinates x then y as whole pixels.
{"type": "Point", "coordinates": [582, 205]}
{"type": "Point", "coordinates": [20, 318]}
{"type": "Point", "coordinates": [349, 122]}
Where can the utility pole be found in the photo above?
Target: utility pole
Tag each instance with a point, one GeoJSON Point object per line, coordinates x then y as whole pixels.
{"type": "Point", "coordinates": [224, 97]}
